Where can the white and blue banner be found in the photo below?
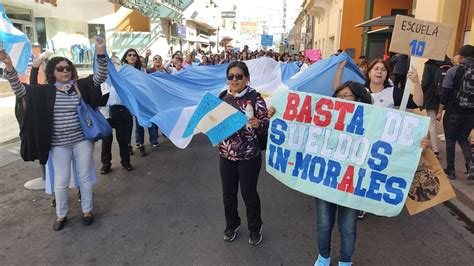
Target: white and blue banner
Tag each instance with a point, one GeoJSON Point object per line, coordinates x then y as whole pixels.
{"type": "Point", "coordinates": [15, 43]}
{"type": "Point", "coordinates": [170, 101]}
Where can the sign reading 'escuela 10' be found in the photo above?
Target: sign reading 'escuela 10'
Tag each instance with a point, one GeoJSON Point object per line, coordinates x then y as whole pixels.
{"type": "Point", "coordinates": [352, 154]}
{"type": "Point", "coordinates": [420, 38]}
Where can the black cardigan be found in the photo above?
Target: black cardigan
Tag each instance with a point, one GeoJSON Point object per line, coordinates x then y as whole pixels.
{"type": "Point", "coordinates": [34, 113]}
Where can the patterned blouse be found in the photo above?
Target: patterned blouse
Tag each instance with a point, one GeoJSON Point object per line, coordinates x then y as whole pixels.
{"type": "Point", "coordinates": [243, 144]}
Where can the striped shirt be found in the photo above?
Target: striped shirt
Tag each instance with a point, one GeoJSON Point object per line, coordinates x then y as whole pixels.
{"type": "Point", "coordinates": [66, 126]}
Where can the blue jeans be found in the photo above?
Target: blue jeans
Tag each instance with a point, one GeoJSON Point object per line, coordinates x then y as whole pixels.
{"type": "Point", "coordinates": [140, 133]}
{"type": "Point", "coordinates": [81, 153]}
{"type": "Point", "coordinates": [325, 218]}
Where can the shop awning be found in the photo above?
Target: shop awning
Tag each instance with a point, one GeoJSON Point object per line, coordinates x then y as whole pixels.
{"type": "Point", "coordinates": [378, 21]}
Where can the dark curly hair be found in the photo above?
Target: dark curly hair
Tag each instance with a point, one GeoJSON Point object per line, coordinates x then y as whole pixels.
{"type": "Point", "coordinates": [359, 90]}
{"type": "Point", "coordinates": [51, 66]}
{"type": "Point", "coordinates": [138, 64]}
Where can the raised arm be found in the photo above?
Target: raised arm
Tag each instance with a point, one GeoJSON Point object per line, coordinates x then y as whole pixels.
{"type": "Point", "coordinates": [12, 76]}
{"type": "Point", "coordinates": [101, 74]}
{"type": "Point", "coordinates": [338, 75]}
{"type": "Point", "coordinates": [417, 90]}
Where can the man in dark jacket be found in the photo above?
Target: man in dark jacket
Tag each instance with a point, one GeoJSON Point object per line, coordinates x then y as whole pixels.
{"type": "Point", "coordinates": [400, 69]}
{"type": "Point", "coordinates": [429, 83]}
{"type": "Point", "coordinates": [457, 121]}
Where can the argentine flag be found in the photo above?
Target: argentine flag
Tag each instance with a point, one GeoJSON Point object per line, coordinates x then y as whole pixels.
{"type": "Point", "coordinates": [15, 43]}
{"type": "Point", "coordinates": [171, 101]}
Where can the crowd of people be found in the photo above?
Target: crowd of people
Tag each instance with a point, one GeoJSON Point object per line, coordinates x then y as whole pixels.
{"type": "Point", "coordinates": [59, 134]}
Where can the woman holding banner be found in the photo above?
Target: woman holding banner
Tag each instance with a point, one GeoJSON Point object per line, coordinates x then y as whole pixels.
{"type": "Point", "coordinates": [50, 125]}
{"type": "Point", "coordinates": [240, 159]}
{"type": "Point", "coordinates": [383, 92]}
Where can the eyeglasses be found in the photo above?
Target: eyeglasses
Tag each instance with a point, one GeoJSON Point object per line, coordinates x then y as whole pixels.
{"type": "Point", "coordinates": [62, 68]}
{"type": "Point", "coordinates": [236, 76]}
{"type": "Point", "coordinates": [131, 55]}
{"type": "Point", "coordinates": [157, 58]}
{"type": "Point", "coordinates": [345, 96]}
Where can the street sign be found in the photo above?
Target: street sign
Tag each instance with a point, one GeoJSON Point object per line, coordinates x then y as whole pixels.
{"type": "Point", "coordinates": [420, 38]}
{"type": "Point", "coordinates": [266, 40]}
{"type": "Point", "coordinates": [228, 14]}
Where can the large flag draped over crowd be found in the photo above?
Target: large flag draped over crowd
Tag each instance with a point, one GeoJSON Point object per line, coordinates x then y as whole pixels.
{"type": "Point", "coordinates": [15, 43]}
{"type": "Point", "coordinates": [169, 101]}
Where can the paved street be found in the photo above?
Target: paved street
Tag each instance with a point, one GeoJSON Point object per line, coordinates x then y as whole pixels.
{"type": "Point", "coordinates": [169, 212]}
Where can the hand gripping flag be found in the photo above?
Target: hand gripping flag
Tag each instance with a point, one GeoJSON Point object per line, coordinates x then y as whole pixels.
{"type": "Point", "coordinates": [215, 118]}
{"type": "Point", "coordinates": [15, 43]}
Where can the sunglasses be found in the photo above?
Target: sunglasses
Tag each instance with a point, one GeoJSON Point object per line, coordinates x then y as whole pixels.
{"type": "Point", "coordinates": [236, 76]}
{"type": "Point", "coordinates": [131, 55]}
{"type": "Point", "coordinates": [62, 68]}
{"type": "Point", "coordinates": [157, 58]}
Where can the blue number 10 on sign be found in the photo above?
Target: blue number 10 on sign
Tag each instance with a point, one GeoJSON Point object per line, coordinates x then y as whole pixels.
{"type": "Point", "coordinates": [417, 47]}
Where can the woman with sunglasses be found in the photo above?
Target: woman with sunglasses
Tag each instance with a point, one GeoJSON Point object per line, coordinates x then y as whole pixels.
{"type": "Point", "coordinates": [157, 65]}
{"type": "Point", "coordinates": [130, 57]}
{"type": "Point", "coordinates": [240, 160]}
{"type": "Point", "coordinates": [50, 125]}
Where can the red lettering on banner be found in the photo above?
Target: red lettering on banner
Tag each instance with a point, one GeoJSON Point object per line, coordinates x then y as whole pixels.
{"type": "Point", "coordinates": [343, 108]}
{"type": "Point", "coordinates": [304, 116]}
{"type": "Point", "coordinates": [292, 103]}
{"type": "Point", "coordinates": [347, 182]}
{"type": "Point", "coordinates": [323, 113]}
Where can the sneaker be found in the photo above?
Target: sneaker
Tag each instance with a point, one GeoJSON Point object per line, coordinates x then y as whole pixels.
{"type": "Point", "coordinates": [451, 173]}
{"type": "Point", "coordinates": [230, 234]}
{"type": "Point", "coordinates": [361, 214]}
{"type": "Point", "coordinates": [322, 261]}
{"type": "Point", "coordinates": [142, 151]}
{"type": "Point", "coordinates": [255, 237]}
{"type": "Point", "coordinates": [105, 169]}
{"type": "Point", "coordinates": [470, 172]}
{"type": "Point", "coordinates": [127, 167]}
{"type": "Point", "coordinates": [155, 145]}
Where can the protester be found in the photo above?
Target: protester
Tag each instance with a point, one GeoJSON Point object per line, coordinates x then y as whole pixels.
{"type": "Point", "coordinates": [188, 61]}
{"type": "Point", "coordinates": [50, 124]}
{"type": "Point", "coordinates": [400, 69]}
{"type": "Point", "coordinates": [130, 57]}
{"type": "Point", "coordinates": [240, 159]}
{"type": "Point", "coordinates": [157, 65]}
{"type": "Point", "coordinates": [305, 64]}
{"type": "Point", "coordinates": [204, 61]}
{"type": "Point", "coordinates": [458, 102]}
{"type": "Point", "coordinates": [383, 92]}
{"type": "Point", "coordinates": [178, 66]}
{"type": "Point", "coordinates": [119, 118]}
{"type": "Point", "coordinates": [363, 67]}
{"type": "Point", "coordinates": [216, 59]}
{"type": "Point", "coordinates": [326, 211]}
{"type": "Point", "coordinates": [143, 63]}
{"type": "Point", "coordinates": [432, 77]}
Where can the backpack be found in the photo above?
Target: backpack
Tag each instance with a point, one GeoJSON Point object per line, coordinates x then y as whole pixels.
{"type": "Point", "coordinates": [261, 138]}
{"type": "Point", "coordinates": [439, 77]}
{"type": "Point", "coordinates": [465, 82]}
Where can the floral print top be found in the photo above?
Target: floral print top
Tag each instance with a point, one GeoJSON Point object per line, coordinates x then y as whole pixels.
{"type": "Point", "coordinates": [243, 144]}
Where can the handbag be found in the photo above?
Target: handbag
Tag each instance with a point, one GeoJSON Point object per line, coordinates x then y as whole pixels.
{"type": "Point", "coordinates": [93, 123]}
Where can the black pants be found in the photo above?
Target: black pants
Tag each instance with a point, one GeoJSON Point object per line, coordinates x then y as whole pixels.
{"type": "Point", "coordinates": [120, 119]}
{"type": "Point", "coordinates": [457, 127]}
{"type": "Point", "coordinates": [246, 173]}
{"type": "Point", "coordinates": [400, 80]}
